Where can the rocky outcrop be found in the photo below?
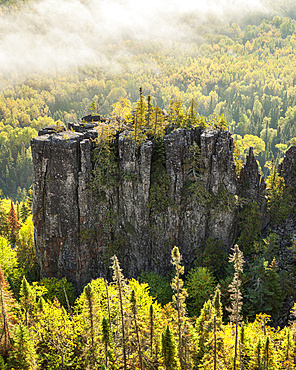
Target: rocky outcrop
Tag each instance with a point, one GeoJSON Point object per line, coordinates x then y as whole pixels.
{"type": "Point", "coordinates": [251, 182]}
{"type": "Point", "coordinates": [160, 200]}
{"type": "Point", "coordinates": [287, 169]}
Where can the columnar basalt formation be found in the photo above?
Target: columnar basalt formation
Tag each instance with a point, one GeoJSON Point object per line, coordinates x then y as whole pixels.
{"type": "Point", "coordinates": [76, 232]}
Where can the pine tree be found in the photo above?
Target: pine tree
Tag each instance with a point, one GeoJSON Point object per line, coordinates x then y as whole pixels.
{"type": "Point", "coordinates": [27, 298]}
{"type": "Point", "coordinates": [256, 362]}
{"type": "Point", "coordinates": [23, 355]}
{"type": "Point", "coordinates": [217, 305]}
{"type": "Point", "coordinates": [119, 281]}
{"type": "Point", "coordinates": [288, 350]}
{"type": "Point", "coordinates": [235, 294]}
{"type": "Point", "coordinates": [3, 365]}
{"type": "Point", "coordinates": [203, 327]}
{"type": "Point", "coordinates": [151, 329]}
{"type": "Point", "coordinates": [169, 350]}
{"type": "Point", "coordinates": [180, 296]}
{"type": "Point", "coordinates": [14, 224]}
{"type": "Point", "coordinates": [24, 211]}
{"type": "Point", "coordinates": [140, 118]}
{"type": "Point", "coordinates": [279, 199]}
{"type": "Point", "coordinates": [89, 299]}
{"type": "Point", "coordinates": [108, 303]}
{"type": "Point", "coordinates": [133, 301]}
{"type": "Point", "coordinates": [217, 308]}
{"type": "Point", "coordinates": [106, 339]}
{"type": "Point", "coordinates": [7, 305]}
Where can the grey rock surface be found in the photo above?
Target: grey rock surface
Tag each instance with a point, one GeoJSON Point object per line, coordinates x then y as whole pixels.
{"type": "Point", "coordinates": [76, 233]}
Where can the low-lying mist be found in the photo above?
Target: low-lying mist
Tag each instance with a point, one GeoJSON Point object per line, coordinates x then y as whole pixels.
{"type": "Point", "coordinates": [54, 35]}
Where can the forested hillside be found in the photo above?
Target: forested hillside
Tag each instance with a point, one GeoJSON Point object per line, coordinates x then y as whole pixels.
{"type": "Point", "coordinates": [225, 314]}
{"type": "Point", "coordinates": [246, 74]}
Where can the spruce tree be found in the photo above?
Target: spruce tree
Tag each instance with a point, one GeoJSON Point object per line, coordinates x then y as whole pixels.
{"type": "Point", "coordinates": [169, 350]}
{"type": "Point", "coordinates": [7, 306]}
{"type": "Point", "coordinates": [235, 294]}
{"type": "Point", "coordinates": [27, 299]}
{"type": "Point", "coordinates": [13, 224]}
{"type": "Point", "coordinates": [23, 355]}
{"type": "Point", "coordinates": [106, 339]}
{"type": "Point", "coordinates": [119, 281]}
{"type": "Point", "coordinates": [179, 297]}
{"type": "Point", "coordinates": [89, 299]}
{"type": "Point", "coordinates": [133, 301]}
{"type": "Point", "coordinates": [151, 319]}
{"type": "Point", "coordinates": [256, 362]}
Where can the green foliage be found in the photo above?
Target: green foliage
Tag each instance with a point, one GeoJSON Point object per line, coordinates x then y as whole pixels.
{"type": "Point", "coordinates": [57, 288]}
{"type": "Point", "coordinates": [169, 350]}
{"type": "Point", "coordinates": [159, 285]}
{"type": "Point", "coordinates": [279, 199]}
{"type": "Point", "coordinates": [57, 337]}
{"type": "Point", "coordinates": [159, 199]}
{"type": "Point", "coordinates": [213, 256]}
{"type": "Point", "coordinates": [194, 190]}
{"type": "Point", "coordinates": [200, 285]}
{"type": "Point", "coordinates": [9, 262]}
{"type": "Point", "coordinates": [236, 297]}
{"type": "Point", "coordinates": [7, 316]}
{"type": "Point", "coordinates": [26, 250]}
{"type": "Point", "coordinates": [27, 300]}
{"type": "Point", "coordinates": [104, 159]}
{"type": "Point", "coordinates": [13, 224]}
{"type": "Point", "coordinates": [23, 355]}
{"type": "Point", "coordinates": [266, 293]}
{"type": "Point", "coordinates": [250, 223]}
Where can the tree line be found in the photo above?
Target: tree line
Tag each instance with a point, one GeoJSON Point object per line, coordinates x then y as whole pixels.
{"type": "Point", "coordinates": [247, 74]}
{"type": "Point", "coordinates": [119, 325]}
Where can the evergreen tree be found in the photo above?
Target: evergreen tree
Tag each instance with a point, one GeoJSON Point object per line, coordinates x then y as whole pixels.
{"type": "Point", "coordinates": [256, 362]}
{"type": "Point", "coordinates": [27, 299]}
{"type": "Point", "coordinates": [7, 305]}
{"type": "Point", "coordinates": [151, 320]}
{"type": "Point", "coordinates": [14, 224]}
{"type": "Point", "coordinates": [119, 281]}
{"type": "Point", "coordinates": [23, 355]}
{"type": "Point", "coordinates": [169, 350]}
{"type": "Point", "coordinates": [287, 350]}
{"type": "Point", "coordinates": [235, 294]}
{"type": "Point", "coordinates": [279, 199]}
{"type": "Point", "coordinates": [179, 297]}
{"type": "Point", "coordinates": [268, 359]}
{"type": "Point", "coordinates": [89, 299]}
{"type": "Point", "coordinates": [140, 118]}
{"type": "Point", "coordinates": [24, 211]}
{"type": "Point", "coordinates": [3, 365]}
{"type": "Point", "coordinates": [107, 342]}
{"type": "Point", "coordinates": [133, 301]}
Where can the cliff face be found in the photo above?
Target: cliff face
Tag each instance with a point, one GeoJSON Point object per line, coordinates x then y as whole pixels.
{"type": "Point", "coordinates": [178, 191]}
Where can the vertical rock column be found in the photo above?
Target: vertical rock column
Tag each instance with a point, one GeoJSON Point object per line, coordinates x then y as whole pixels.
{"type": "Point", "coordinates": [56, 162]}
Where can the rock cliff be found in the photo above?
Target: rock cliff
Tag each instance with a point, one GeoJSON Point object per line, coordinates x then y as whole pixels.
{"type": "Point", "coordinates": [176, 191]}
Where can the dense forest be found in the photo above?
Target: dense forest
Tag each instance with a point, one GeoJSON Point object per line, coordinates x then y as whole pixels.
{"type": "Point", "coordinates": [248, 75]}
{"type": "Point", "coordinates": [224, 312]}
